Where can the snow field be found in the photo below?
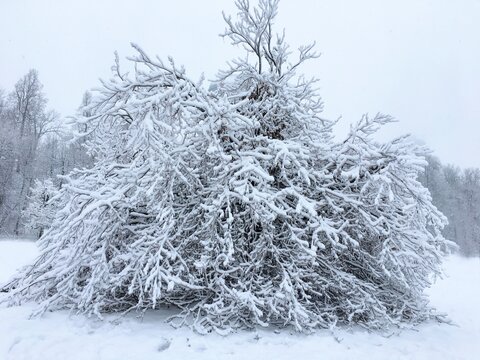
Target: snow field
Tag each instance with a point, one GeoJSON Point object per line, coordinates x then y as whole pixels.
{"type": "Point", "coordinates": [60, 335]}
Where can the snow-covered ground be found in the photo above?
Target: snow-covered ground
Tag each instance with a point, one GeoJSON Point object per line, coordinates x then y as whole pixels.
{"type": "Point", "coordinates": [59, 335]}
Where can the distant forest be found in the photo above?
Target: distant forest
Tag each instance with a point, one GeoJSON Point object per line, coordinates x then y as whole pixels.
{"type": "Point", "coordinates": [456, 193]}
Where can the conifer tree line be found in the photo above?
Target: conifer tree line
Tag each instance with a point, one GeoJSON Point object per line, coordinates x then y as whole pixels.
{"type": "Point", "coordinates": [233, 203]}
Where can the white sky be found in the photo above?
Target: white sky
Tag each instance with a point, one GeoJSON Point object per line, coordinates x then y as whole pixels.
{"type": "Point", "coordinates": [418, 60]}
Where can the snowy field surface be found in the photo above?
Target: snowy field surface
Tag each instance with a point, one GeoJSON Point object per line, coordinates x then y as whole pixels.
{"type": "Point", "coordinates": [59, 335]}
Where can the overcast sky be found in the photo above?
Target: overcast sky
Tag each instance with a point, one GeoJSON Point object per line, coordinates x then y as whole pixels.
{"type": "Point", "coordinates": [418, 60]}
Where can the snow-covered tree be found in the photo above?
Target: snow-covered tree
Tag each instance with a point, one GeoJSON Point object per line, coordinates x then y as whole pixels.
{"type": "Point", "coordinates": [456, 193]}
{"type": "Point", "coordinates": [235, 204]}
{"type": "Point", "coordinates": [42, 207]}
{"type": "Point", "coordinates": [25, 124]}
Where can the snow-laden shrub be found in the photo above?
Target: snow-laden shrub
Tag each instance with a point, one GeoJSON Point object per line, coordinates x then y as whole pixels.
{"type": "Point", "coordinates": [236, 205]}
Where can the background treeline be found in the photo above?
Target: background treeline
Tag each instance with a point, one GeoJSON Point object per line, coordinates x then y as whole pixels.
{"type": "Point", "coordinates": [456, 193]}
{"type": "Point", "coordinates": [36, 147]}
